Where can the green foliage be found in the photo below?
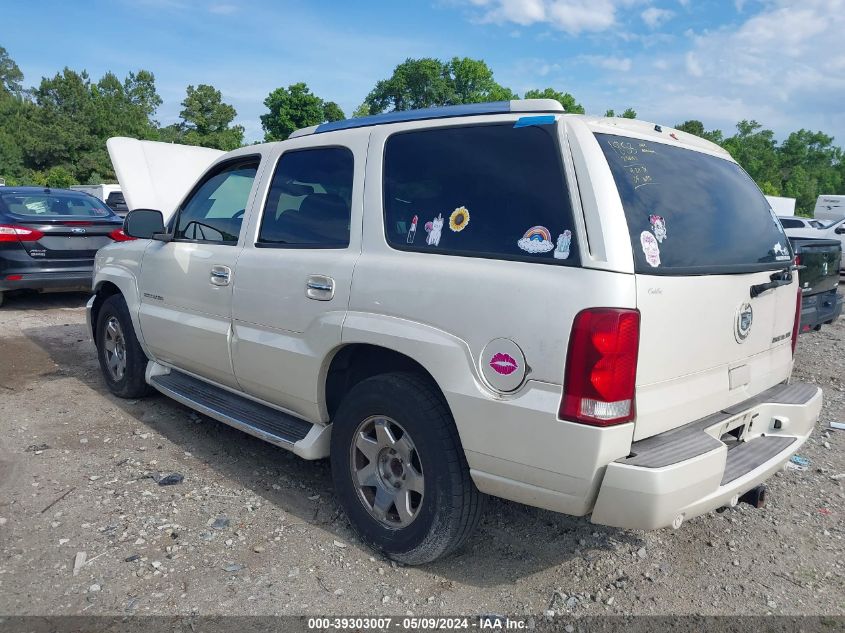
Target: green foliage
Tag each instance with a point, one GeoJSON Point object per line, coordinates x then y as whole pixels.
{"type": "Point", "coordinates": [629, 113]}
{"type": "Point", "coordinates": [206, 121]}
{"type": "Point", "coordinates": [361, 110]}
{"type": "Point", "coordinates": [564, 98]}
{"type": "Point", "coordinates": [697, 128]}
{"type": "Point", "coordinates": [59, 177]}
{"type": "Point", "coordinates": [293, 108]}
{"type": "Point", "coordinates": [429, 82]}
{"type": "Point", "coordinates": [10, 75]}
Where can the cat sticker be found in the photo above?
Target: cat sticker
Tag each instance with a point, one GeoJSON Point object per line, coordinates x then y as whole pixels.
{"type": "Point", "coordinates": [434, 230]}
{"type": "Point", "coordinates": [564, 240]}
{"type": "Point", "coordinates": [651, 249]}
{"type": "Point", "coordinates": [658, 225]}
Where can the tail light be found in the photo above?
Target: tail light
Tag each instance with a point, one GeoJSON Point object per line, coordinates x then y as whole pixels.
{"type": "Point", "coordinates": [601, 367]}
{"type": "Point", "coordinates": [797, 324]}
{"type": "Point", "coordinates": [119, 236]}
{"type": "Point", "coordinates": [12, 233]}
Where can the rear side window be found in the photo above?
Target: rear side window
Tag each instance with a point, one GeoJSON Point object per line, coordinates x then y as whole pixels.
{"type": "Point", "coordinates": [49, 205]}
{"type": "Point", "coordinates": [310, 200]}
{"type": "Point", "coordinates": [791, 224]}
{"type": "Point", "coordinates": [690, 213]}
{"type": "Point", "coordinates": [494, 191]}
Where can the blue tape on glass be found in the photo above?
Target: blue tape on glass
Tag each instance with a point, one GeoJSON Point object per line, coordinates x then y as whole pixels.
{"type": "Point", "coordinates": [548, 119]}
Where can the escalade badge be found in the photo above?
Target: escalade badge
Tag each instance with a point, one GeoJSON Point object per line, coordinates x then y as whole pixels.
{"type": "Point", "coordinates": [744, 318]}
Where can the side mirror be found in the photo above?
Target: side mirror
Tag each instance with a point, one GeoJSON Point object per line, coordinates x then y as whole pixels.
{"type": "Point", "coordinates": [145, 224]}
{"type": "Point", "coordinates": [840, 230]}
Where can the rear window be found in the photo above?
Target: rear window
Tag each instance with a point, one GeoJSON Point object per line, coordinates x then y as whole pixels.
{"type": "Point", "coordinates": [44, 205]}
{"type": "Point", "coordinates": [791, 224]}
{"type": "Point", "coordinates": [494, 191]}
{"type": "Point", "coordinates": [691, 213]}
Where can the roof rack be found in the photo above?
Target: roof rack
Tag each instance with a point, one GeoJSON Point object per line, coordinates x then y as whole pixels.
{"type": "Point", "coordinates": [469, 109]}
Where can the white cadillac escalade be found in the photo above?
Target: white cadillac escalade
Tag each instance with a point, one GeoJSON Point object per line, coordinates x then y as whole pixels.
{"type": "Point", "coordinates": [590, 315]}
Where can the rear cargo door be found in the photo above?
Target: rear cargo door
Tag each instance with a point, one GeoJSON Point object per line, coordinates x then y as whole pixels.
{"type": "Point", "coordinates": [715, 288]}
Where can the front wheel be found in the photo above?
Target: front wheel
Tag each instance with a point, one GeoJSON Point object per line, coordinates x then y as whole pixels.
{"type": "Point", "coordinates": [122, 360]}
{"type": "Point", "coordinates": [399, 469]}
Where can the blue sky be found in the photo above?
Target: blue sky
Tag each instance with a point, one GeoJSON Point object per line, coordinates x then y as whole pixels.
{"type": "Point", "coordinates": [777, 61]}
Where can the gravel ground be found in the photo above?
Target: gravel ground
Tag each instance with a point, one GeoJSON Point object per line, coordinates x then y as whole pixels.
{"type": "Point", "coordinates": [85, 528]}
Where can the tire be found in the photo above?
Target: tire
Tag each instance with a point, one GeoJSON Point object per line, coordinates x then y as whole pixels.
{"type": "Point", "coordinates": [2, 296]}
{"type": "Point", "coordinates": [115, 332]}
{"type": "Point", "coordinates": [436, 521]}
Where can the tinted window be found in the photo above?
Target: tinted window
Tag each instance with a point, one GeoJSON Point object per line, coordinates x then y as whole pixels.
{"type": "Point", "coordinates": [691, 213]}
{"type": "Point", "coordinates": [215, 211]}
{"type": "Point", "coordinates": [310, 200]}
{"type": "Point", "coordinates": [494, 191]}
{"type": "Point", "coordinates": [46, 205]}
{"type": "Point", "coordinates": [791, 224]}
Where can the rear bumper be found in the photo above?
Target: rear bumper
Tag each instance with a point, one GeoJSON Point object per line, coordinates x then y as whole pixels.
{"type": "Point", "coordinates": [39, 279]}
{"type": "Point", "coordinates": [686, 472]}
{"type": "Point", "coordinates": [820, 308]}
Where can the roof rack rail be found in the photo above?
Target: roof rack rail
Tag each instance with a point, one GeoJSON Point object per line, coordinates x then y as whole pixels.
{"type": "Point", "coordinates": [468, 109]}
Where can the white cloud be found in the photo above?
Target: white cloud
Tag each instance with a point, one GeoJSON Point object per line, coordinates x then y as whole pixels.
{"type": "Point", "coordinates": [619, 64]}
{"type": "Point", "coordinates": [654, 17]}
{"type": "Point", "coordinates": [570, 16]}
{"type": "Point", "coordinates": [693, 67]}
{"type": "Point", "coordinates": [223, 9]}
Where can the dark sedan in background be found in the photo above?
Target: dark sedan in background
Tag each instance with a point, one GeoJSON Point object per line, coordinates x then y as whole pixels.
{"type": "Point", "coordinates": [48, 237]}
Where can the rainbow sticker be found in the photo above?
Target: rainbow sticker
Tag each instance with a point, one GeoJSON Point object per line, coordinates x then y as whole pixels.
{"type": "Point", "coordinates": [537, 239]}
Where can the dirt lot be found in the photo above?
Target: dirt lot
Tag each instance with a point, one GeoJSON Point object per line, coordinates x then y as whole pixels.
{"type": "Point", "coordinates": [254, 530]}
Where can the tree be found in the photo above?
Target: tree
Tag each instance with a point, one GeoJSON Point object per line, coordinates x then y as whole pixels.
{"type": "Point", "coordinates": [564, 98]}
{"type": "Point", "coordinates": [754, 149]}
{"type": "Point", "coordinates": [629, 113]}
{"type": "Point", "coordinates": [293, 108]}
{"type": "Point", "coordinates": [361, 111]}
{"type": "Point", "coordinates": [429, 82]}
{"type": "Point", "coordinates": [10, 75]}
{"type": "Point", "coordinates": [140, 90]}
{"type": "Point", "coordinates": [206, 120]}
{"type": "Point", "coordinates": [809, 165]}
{"type": "Point", "coordinates": [697, 128]}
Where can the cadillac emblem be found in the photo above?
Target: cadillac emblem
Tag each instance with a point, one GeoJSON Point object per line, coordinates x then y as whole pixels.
{"type": "Point", "coordinates": [744, 318]}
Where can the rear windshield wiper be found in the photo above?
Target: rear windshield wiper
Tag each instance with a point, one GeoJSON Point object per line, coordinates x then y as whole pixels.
{"type": "Point", "coordinates": [782, 278]}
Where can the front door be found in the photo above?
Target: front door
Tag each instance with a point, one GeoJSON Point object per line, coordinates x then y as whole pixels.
{"type": "Point", "coordinates": [293, 283]}
{"type": "Point", "coordinates": [186, 284]}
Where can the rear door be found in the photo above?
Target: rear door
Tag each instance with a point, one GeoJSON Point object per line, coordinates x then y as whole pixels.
{"type": "Point", "coordinates": [71, 227]}
{"type": "Point", "coordinates": [293, 280]}
{"type": "Point", "coordinates": [714, 285]}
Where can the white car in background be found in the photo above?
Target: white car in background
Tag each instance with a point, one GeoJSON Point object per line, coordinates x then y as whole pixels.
{"type": "Point", "coordinates": [589, 315]}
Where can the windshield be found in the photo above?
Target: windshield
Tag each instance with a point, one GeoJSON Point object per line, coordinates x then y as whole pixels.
{"type": "Point", "coordinates": [690, 213]}
{"type": "Point", "coordinates": [52, 205]}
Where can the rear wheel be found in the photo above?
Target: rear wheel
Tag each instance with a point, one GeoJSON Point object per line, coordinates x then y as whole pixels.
{"type": "Point", "coordinates": [122, 360]}
{"type": "Point", "coordinates": [399, 469]}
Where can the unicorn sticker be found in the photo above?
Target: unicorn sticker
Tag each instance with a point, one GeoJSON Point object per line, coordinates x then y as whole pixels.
{"type": "Point", "coordinates": [434, 230]}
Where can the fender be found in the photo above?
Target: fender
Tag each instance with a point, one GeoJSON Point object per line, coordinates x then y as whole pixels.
{"type": "Point", "coordinates": [120, 265]}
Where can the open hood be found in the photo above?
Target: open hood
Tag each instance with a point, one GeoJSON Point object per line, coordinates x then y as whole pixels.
{"type": "Point", "coordinates": [156, 175]}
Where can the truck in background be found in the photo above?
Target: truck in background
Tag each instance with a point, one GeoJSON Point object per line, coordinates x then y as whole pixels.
{"type": "Point", "coordinates": [110, 194]}
{"type": "Point", "coordinates": [829, 208]}
{"type": "Point", "coordinates": [818, 262]}
{"type": "Point", "coordinates": [782, 206]}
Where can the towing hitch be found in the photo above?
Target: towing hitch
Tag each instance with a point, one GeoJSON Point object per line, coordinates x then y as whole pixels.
{"type": "Point", "coordinates": [755, 497]}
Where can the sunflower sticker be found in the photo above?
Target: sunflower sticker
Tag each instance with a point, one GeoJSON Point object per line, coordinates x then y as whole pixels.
{"type": "Point", "coordinates": [459, 219]}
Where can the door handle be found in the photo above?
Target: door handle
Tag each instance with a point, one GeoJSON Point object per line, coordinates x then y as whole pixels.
{"type": "Point", "coordinates": [319, 288]}
{"type": "Point", "coordinates": [220, 275]}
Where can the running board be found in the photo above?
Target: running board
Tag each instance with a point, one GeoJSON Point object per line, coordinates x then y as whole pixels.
{"type": "Point", "coordinates": [271, 425]}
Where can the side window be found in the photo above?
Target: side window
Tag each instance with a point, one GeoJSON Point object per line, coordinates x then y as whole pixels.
{"type": "Point", "coordinates": [791, 224]}
{"type": "Point", "coordinates": [310, 200]}
{"type": "Point", "coordinates": [494, 191]}
{"type": "Point", "coordinates": [215, 210]}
